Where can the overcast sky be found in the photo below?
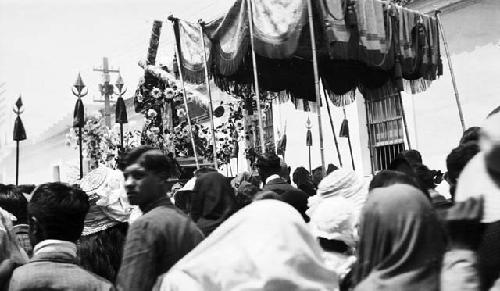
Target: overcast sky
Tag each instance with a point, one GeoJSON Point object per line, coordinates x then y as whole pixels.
{"type": "Point", "coordinates": [44, 44]}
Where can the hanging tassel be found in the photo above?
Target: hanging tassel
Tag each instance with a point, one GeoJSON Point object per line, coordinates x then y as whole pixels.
{"type": "Point", "coordinates": [344, 129]}
{"type": "Point", "coordinates": [19, 131]}
{"type": "Point", "coordinates": [78, 114]}
{"type": "Point", "coordinates": [398, 75]}
{"type": "Point", "coordinates": [121, 111]}
{"type": "Point", "coordinates": [309, 138]}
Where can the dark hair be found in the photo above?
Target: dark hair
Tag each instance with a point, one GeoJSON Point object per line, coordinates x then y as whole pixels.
{"type": "Point", "coordinates": [412, 156]}
{"type": "Point", "coordinates": [317, 176]}
{"type": "Point", "coordinates": [60, 209]}
{"type": "Point", "coordinates": [13, 200]}
{"type": "Point", "coordinates": [26, 188]}
{"type": "Point", "coordinates": [456, 161]}
{"type": "Point", "coordinates": [101, 253]}
{"type": "Point", "coordinates": [270, 162]}
{"type": "Point", "coordinates": [204, 170]}
{"type": "Point", "coordinates": [152, 159]}
{"type": "Point", "coordinates": [387, 178]}
{"type": "Point", "coordinates": [471, 134]}
{"type": "Point", "coordinates": [301, 175]}
{"type": "Point", "coordinates": [331, 168]}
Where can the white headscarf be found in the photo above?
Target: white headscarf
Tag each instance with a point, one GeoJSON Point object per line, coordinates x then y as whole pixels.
{"type": "Point", "coordinates": [341, 182]}
{"type": "Point", "coordinates": [265, 246]}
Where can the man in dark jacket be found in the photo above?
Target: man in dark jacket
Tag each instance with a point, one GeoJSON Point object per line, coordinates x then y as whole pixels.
{"type": "Point", "coordinates": [164, 234]}
{"type": "Point", "coordinates": [56, 213]}
{"type": "Point", "coordinates": [269, 169]}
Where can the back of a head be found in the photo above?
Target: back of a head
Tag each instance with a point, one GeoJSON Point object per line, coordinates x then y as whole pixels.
{"type": "Point", "coordinates": [471, 134]}
{"type": "Point", "coordinates": [331, 168]}
{"type": "Point", "coordinates": [301, 175]}
{"type": "Point", "coordinates": [457, 160]}
{"type": "Point", "coordinates": [60, 210]}
{"type": "Point", "coordinates": [153, 160]}
{"type": "Point", "coordinates": [204, 170]}
{"type": "Point", "coordinates": [269, 162]}
{"type": "Point", "coordinates": [13, 200]}
{"type": "Point", "coordinates": [388, 178]}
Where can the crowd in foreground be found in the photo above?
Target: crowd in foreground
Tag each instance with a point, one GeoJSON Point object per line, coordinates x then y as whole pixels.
{"type": "Point", "coordinates": [137, 228]}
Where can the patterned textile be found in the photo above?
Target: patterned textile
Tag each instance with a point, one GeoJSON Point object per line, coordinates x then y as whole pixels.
{"type": "Point", "coordinates": [191, 48]}
{"type": "Point", "coordinates": [22, 235]}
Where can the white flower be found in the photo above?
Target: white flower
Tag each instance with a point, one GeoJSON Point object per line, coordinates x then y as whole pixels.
{"type": "Point", "coordinates": [152, 113]}
{"type": "Point", "coordinates": [156, 93]}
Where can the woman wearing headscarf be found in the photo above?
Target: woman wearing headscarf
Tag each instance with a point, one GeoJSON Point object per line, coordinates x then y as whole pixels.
{"type": "Point", "coordinates": [265, 246]}
{"type": "Point", "coordinates": [213, 201]}
{"type": "Point", "coordinates": [401, 242]}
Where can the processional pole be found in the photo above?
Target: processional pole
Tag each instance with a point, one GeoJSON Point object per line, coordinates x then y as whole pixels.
{"type": "Point", "coordinates": [333, 128]}
{"type": "Point", "coordinates": [79, 115]}
{"type": "Point", "coordinates": [207, 83]}
{"type": "Point", "coordinates": [179, 67]}
{"type": "Point", "coordinates": [121, 108]}
{"type": "Point", "coordinates": [19, 133]}
{"type": "Point", "coordinates": [450, 66]}
{"type": "Point", "coordinates": [316, 84]}
{"type": "Point", "coordinates": [256, 76]}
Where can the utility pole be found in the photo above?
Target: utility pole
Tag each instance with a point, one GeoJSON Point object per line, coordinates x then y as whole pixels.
{"type": "Point", "coordinates": [106, 89]}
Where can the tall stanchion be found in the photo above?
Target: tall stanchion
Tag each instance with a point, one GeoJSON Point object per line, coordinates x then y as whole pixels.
{"type": "Point", "coordinates": [179, 64]}
{"type": "Point", "coordinates": [121, 108]}
{"type": "Point", "coordinates": [450, 66]}
{"type": "Point", "coordinates": [79, 115]}
{"type": "Point", "coordinates": [333, 128]}
{"type": "Point", "coordinates": [19, 133]}
{"type": "Point", "coordinates": [316, 83]}
{"type": "Point", "coordinates": [404, 120]}
{"type": "Point", "coordinates": [309, 142]}
{"type": "Point", "coordinates": [256, 77]}
{"type": "Point", "coordinates": [207, 82]}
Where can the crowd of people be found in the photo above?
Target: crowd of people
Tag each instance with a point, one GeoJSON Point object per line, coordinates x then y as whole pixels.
{"type": "Point", "coordinates": [137, 228]}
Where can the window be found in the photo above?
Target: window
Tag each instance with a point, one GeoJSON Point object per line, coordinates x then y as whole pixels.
{"type": "Point", "coordinates": [385, 129]}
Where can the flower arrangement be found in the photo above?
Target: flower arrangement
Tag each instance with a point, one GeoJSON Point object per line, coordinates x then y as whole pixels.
{"type": "Point", "coordinates": [101, 144]}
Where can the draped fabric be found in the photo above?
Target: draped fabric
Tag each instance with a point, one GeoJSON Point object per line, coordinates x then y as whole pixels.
{"type": "Point", "coordinates": [213, 201]}
{"type": "Point", "coordinates": [79, 114]}
{"type": "Point", "coordinates": [19, 131]}
{"type": "Point", "coordinates": [191, 47]}
{"type": "Point", "coordinates": [265, 246]}
{"type": "Point", "coordinates": [349, 56]}
{"type": "Point", "coordinates": [401, 242]}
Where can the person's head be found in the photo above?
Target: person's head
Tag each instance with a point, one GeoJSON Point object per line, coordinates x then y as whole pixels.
{"type": "Point", "coordinates": [146, 173]}
{"type": "Point", "coordinates": [57, 211]}
{"type": "Point", "coordinates": [204, 170]}
{"type": "Point", "coordinates": [13, 200]}
{"type": "Point", "coordinates": [399, 234]}
{"type": "Point", "coordinates": [317, 176]}
{"type": "Point", "coordinates": [331, 168]}
{"type": "Point", "coordinates": [456, 162]}
{"type": "Point", "coordinates": [268, 164]}
{"type": "Point", "coordinates": [388, 178]}
{"type": "Point", "coordinates": [301, 176]}
{"type": "Point", "coordinates": [285, 171]}
{"type": "Point", "coordinates": [412, 156]}
{"type": "Point", "coordinates": [471, 134]}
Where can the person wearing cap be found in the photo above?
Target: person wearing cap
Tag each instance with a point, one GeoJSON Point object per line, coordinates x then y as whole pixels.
{"type": "Point", "coordinates": [164, 234]}
{"type": "Point", "coordinates": [269, 167]}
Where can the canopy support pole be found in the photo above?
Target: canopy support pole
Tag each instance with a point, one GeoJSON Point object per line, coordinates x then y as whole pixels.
{"type": "Point", "coordinates": [333, 128]}
{"type": "Point", "coordinates": [450, 66]}
{"type": "Point", "coordinates": [256, 77]}
{"type": "Point", "coordinates": [179, 61]}
{"type": "Point", "coordinates": [316, 84]}
{"type": "Point", "coordinates": [404, 119]}
{"type": "Point", "coordinates": [207, 83]}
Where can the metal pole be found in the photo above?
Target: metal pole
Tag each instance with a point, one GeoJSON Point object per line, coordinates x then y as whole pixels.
{"type": "Point", "coordinates": [256, 77]}
{"type": "Point", "coordinates": [457, 97]}
{"type": "Point", "coordinates": [186, 103]}
{"type": "Point", "coordinates": [333, 129]}
{"type": "Point", "coordinates": [207, 82]}
{"type": "Point", "coordinates": [121, 135]}
{"type": "Point", "coordinates": [309, 147]}
{"type": "Point", "coordinates": [81, 155]}
{"type": "Point", "coordinates": [17, 162]}
{"type": "Point", "coordinates": [370, 142]}
{"type": "Point", "coordinates": [316, 83]}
